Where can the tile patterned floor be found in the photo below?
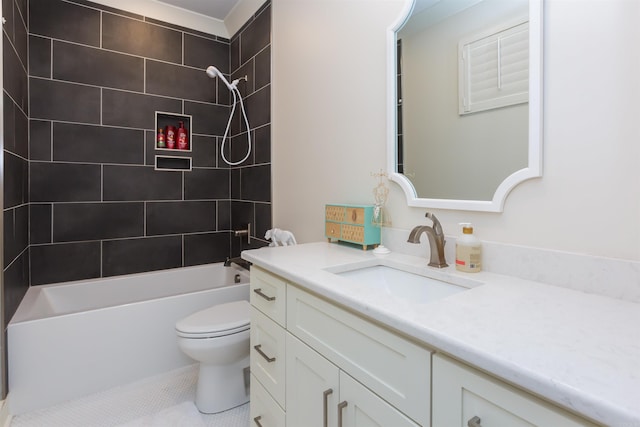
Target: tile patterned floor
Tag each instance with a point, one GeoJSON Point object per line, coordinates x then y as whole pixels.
{"type": "Point", "coordinates": [123, 404]}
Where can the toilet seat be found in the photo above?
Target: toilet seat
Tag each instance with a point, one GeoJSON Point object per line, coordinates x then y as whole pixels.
{"type": "Point", "coordinates": [217, 321]}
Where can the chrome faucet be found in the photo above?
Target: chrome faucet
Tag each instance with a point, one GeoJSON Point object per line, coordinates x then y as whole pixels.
{"type": "Point", "coordinates": [436, 240]}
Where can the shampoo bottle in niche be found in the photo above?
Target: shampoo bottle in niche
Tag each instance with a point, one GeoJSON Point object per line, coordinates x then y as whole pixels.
{"type": "Point", "coordinates": [183, 142]}
{"type": "Point", "coordinates": [170, 136]}
{"type": "Point", "coordinates": [468, 250]}
{"type": "Point", "coordinates": [160, 139]}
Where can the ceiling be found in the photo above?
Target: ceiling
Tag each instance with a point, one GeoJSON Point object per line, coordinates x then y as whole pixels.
{"type": "Point", "coordinates": [218, 9]}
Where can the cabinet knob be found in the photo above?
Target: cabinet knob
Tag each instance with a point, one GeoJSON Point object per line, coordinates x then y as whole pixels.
{"type": "Point", "coordinates": [257, 420]}
{"type": "Point", "coordinates": [474, 422]}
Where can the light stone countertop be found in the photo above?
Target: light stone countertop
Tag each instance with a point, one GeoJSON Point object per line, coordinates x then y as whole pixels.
{"type": "Point", "coordinates": [579, 350]}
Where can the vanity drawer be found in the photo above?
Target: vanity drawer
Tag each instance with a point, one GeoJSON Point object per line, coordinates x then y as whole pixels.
{"type": "Point", "coordinates": [263, 408]}
{"type": "Point", "coordinates": [267, 361]}
{"type": "Point", "coordinates": [268, 294]}
{"type": "Point", "coordinates": [396, 369]}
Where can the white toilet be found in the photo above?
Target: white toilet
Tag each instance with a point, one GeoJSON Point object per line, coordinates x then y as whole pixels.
{"type": "Point", "coordinates": [218, 338]}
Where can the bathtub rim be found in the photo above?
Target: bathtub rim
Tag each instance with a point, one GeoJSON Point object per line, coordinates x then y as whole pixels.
{"type": "Point", "coordinates": [33, 307]}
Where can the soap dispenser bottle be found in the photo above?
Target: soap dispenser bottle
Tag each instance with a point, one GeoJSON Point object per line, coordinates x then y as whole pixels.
{"type": "Point", "coordinates": [468, 250]}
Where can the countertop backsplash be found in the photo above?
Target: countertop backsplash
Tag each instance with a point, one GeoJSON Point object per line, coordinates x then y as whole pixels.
{"type": "Point", "coordinates": [609, 277]}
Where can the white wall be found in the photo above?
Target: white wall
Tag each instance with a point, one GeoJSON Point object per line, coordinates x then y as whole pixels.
{"type": "Point", "coordinates": [328, 131]}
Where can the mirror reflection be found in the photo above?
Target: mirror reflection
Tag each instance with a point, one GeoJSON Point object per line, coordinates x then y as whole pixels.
{"type": "Point", "coordinates": [463, 101]}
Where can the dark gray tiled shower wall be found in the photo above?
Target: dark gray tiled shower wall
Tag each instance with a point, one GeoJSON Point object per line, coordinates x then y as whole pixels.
{"type": "Point", "coordinates": [97, 206]}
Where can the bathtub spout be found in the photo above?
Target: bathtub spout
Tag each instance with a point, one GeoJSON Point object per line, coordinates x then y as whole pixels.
{"type": "Point", "coordinates": [238, 261]}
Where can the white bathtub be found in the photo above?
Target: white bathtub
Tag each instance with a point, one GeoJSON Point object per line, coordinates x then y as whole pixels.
{"type": "Point", "coordinates": [72, 339]}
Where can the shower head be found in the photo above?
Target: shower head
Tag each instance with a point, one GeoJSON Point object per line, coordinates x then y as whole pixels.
{"type": "Point", "coordinates": [213, 72]}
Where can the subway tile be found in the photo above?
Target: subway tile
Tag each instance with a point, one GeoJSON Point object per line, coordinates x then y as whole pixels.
{"type": "Point", "coordinates": [16, 180]}
{"type": "Point", "coordinates": [206, 248]}
{"type": "Point", "coordinates": [206, 184]}
{"type": "Point", "coordinates": [180, 217]}
{"type": "Point", "coordinates": [201, 52]}
{"type": "Point", "coordinates": [204, 151]}
{"type": "Point", "coordinates": [21, 38]}
{"type": "Point", "coordinates": [139, 255]}
{"type": "Point", "coordinates": [15, 81]}
{"type": "Point", "coordinates": [16, 284]}
{"type": "Point", "coordinates": [255, 183]}
{"type": "Point", "coordinates": [82, 64]}
{"type": "Point", "coordinates": [94, 221]}
{"type": "Point", "coordinates": [16, 232]}
{"type": "Point", "coordinates": [246, 86]}
{"type": "Point", "coordinates": [65, 182]}
{"type": "Point", "coordinates": [239, 150]}
{"type": "Point", "coordinates": [63, 101]}
{"type": "Point", "coordinates": [262, 68]}
{"type": "Point", "coordinates": [135, 110]}
{"type": "Point", "coordinates": [207, 119]}
{"type": "Point", "coordinates": [262, 144]}
{"type": "Point", "coordinates": [235, 184]}
{"type": "Point", "coordinates": [7, 13]}
{"type": "Point", "coordinates": [97, 144]}
{"type": "Point", "coordinates": [234, 53]}
{"type": "Point", "coordinates": [109, 9]}
{"type": "Point", "coordinates": [39, 140]}
{"type": "Point", "coordinates": [16, 129]}
{"type": "Point", "coordinates": [224, 215]}
{"type": "Point", "coordinates": [242, 213]}
{"type": "Point", "coordinates": [256, 36]}
{"type": "Point", "coordinates": [179, 82]}
{"type": "Point", "coordinates": [39, 56]}
{"type": "Point", "coordinates": [141, 38]}
{"type": "Point", "coordinates": [40, 218]}
{"type": "Point", "coordinates": [258, 107]}
{"type": "Point", "coordinates": [64, 262]}
{"type": "Point", "coordinates": [63, 20]}
{"type": "Point", "coordinates": [263, 219]}
{"type": "Point", "coordinates": [140, 183]}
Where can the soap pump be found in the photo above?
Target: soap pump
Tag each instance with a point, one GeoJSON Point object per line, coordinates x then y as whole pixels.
{"type": "Point", "coordinates": [468, 250]}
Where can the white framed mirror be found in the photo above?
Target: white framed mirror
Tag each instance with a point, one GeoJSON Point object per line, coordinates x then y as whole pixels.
{"type": "Point", "coordinates": [455, 141]}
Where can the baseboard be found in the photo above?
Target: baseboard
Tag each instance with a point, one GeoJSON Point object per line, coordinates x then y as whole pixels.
{"type": "Point", "coordinates": [5, 415]}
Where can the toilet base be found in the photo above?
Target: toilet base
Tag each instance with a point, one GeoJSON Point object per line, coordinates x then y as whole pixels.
{"type": "Point", "coordinates": [222, 387]}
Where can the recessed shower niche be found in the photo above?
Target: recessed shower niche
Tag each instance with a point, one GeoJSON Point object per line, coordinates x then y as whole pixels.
{"type": "Point", "coordinates": [173, 141]}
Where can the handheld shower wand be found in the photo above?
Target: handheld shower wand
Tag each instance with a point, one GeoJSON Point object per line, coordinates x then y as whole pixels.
{"type": "Point", "coordinates": [213, 72]}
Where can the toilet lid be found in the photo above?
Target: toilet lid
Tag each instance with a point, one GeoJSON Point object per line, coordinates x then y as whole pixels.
{"type": "Point", "coordinates": [222, 319]}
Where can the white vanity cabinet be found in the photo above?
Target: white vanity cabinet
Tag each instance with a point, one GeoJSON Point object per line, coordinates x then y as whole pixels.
{"type": "Point", "coordinates": [464, 396]}
{"type": "Point", "coordinates": [319, 394]}
{"type": "Point", "coordinates": [321, 365]}
{"type": "Point", "coordinates": [268, 349]}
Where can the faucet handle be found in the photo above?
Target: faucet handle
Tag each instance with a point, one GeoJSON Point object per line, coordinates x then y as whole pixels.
{"type": "Point", "coordinates": [436, 224]}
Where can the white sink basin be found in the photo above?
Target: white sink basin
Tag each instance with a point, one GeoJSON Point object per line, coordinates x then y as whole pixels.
{"type": "Point", "coordinates": [402, 284]}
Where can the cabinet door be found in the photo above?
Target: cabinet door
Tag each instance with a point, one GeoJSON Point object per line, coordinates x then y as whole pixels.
{"type": "Point", "coordinates": [360, 407]}
{"type": "Point", "coordinates": [463, 396]}
{"type": "Point", "coordinates": [312, 387]}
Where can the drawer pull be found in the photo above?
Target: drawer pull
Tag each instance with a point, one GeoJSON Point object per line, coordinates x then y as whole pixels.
{"type": "Point", "coordinates": [341, 406]}
{"type": "Point", "coordinates": [257, 420]}
{"type": "Point", "coordinates": [261, 353]}
{"type": "Point", "coordinates": [263, 295]}
{"type": "Point", "coordinates": [474, 422]}
{"type": "Point", "coordinates": [325, 399]}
